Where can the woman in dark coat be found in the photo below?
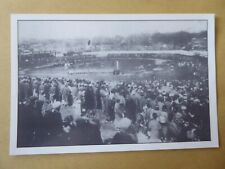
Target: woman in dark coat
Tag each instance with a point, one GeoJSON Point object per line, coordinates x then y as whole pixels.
{"type": "Point", "coordinates": [130, 107]}
{"type": "Point", "coordinates": [89, 99]}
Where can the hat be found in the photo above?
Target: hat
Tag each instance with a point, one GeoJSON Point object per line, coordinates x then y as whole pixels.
{"type": "Point", "coordinates": [163, 92]}
{"type": "Point", "coordinates": [178, 115]}
{"type": "Point", "coordinates": [56, 104]}
{"type": "Point", "coordinates": [183, 107]}
{"type": "Point", "coordinates": [196, 100]}
{"type": "Point", "coordinates": [171, 94]}
{"type": "Point", "coordinates": [123, 123]}
{"type": "Point", "coordinates": [162, 119]}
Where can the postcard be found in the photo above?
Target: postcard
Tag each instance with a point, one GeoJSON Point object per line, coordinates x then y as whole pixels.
{"type": "Point", "coordinates": [84, 83]}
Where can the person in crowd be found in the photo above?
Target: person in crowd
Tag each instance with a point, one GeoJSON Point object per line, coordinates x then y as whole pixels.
{"type": "Point", "coordinates": [65, 92]}
{"type": "Point", "coordinates": [154, 129]}
{"type": "Point", "coordinates": [131, 108]}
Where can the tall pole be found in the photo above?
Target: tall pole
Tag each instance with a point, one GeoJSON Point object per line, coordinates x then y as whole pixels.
{"type": "Point", "coordinates": [117, 65]}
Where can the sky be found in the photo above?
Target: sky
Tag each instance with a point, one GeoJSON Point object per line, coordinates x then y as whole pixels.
{"type": "Point", "coordinates": [43, 30]}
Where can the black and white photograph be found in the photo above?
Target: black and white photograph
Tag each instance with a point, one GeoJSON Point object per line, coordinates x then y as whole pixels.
{"type": "Point", "coordinates": [112, 82]}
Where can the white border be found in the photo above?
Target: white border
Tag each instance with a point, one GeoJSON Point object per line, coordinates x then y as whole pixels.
{"type": "Point", "coordinates": [113, 148]}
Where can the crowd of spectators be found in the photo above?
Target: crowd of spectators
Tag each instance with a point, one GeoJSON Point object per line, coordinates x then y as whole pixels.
{"type": "Point", "coordinates": [67, 111]}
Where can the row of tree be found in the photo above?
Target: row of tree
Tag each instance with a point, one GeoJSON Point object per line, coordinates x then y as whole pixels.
{"type": "Point", "coordinates": [178, 39]}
